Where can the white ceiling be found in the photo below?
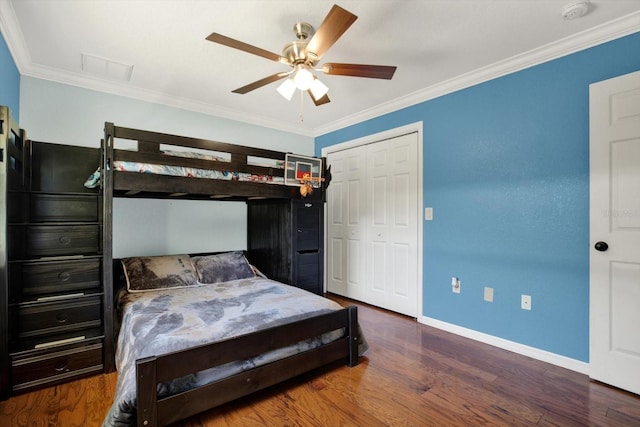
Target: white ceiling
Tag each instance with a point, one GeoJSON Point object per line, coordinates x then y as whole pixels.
{"type": "Point", "coordinates": [437, 45]}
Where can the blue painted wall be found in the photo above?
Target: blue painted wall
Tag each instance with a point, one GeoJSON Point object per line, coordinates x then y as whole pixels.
{"type": "Point", "coordinates": [506, 170]}
{"type": "Point", "coordinates": [10, 78]}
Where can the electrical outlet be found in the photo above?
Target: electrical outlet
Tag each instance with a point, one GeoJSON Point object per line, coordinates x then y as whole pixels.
{"type": "Point", "coordinates": [455, 285]}
{"type": "Point", "coordinates": [488, 294]}
{"type": "Point", "coordinates": [525, 302]}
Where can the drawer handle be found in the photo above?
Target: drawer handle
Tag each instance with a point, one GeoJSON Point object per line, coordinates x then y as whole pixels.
{"type": "Point", "coordinates": [64, 276]}
{"type": "Point", "coordinates": [60, 366]}
{"type": "Point", "coordinates": [299, 230]}
{"type": "Point", "coordinates": [61, 317]}
{"type": "Point", "coordinates": [64, 240]}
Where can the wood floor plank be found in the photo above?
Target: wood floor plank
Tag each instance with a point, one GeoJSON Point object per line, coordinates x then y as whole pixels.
{"type": "Point", "coordinates": [72, 410]}
{"type": "Point", "coordinates": [412, 375]}
{"type": "Point", "coordinates": [32, 409]}
{"type": "Point", "coordinates": [97, 406]}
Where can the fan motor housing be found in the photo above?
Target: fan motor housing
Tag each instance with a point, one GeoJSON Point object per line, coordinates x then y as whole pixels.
{"type": "Point", "coordinates": [295, 52]}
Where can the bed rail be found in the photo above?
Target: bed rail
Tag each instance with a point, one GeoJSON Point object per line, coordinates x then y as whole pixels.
{"type": "Point", "coordinates": [152, 371]}
{"type": "Point", "coordinates": [152, 147]}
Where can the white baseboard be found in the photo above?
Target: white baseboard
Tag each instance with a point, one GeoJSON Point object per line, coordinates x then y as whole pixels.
{"type": "Point", "coordinates": [545, 356]}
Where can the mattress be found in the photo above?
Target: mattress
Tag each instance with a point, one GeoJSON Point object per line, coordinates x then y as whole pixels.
{"type": "Point", "coordinates": [157, 322]}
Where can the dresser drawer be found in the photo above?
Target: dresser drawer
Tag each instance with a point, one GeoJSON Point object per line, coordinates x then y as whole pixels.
{"type": "Point", "coordinates": [38, 279]}
{"type": "Point", "coordinates": [307, 225]}
{"type": "Point", "coordinates": [64, 208]}
{"type": "Point", "coordinates": [48, 240]}
{"type": "Point", "coordinates": [307, 271]}
{"type": "Point", "coordinates": [57, 317]}
{"type": "Point", "coordinates": [55, 366]}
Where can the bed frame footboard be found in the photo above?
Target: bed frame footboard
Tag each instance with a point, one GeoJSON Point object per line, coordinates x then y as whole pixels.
{"type": "Point", "coordinates": [152, 371]}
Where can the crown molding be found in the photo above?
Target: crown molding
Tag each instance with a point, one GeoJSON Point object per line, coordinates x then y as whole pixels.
{"type": "Point", "coordinates": [18, 49]}
{"type": "Point", "coordinates": [603, 33]}
{"type": "Point", "coordinates": [621, 27]}
{"type": "Point", "coordinates": [122, 89]}
{"type": "Point", "coordinates": [13, 36]}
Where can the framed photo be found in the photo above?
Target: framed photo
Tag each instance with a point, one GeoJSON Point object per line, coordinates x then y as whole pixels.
{"type": "Point", "coordinates": [303, 169]}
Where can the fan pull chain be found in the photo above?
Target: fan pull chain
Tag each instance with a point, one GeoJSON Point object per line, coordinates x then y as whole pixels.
{"type": "Point", "coordinates": [301, 106]}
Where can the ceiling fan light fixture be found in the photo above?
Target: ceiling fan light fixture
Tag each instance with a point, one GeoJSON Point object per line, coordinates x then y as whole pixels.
{"type": "Point", "coordinates": [303, 78]}
{"type": "Point", "coordinates": [318, 89]}
{"type": "Point", "coordinates": [286, 89]}
{"type": "Point", "coordinates": [303, 55]}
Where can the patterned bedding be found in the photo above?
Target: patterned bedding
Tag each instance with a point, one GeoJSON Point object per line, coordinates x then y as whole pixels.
{"type": "Point", "coordinates": [195, 172]}
{"type": "Point", "coordinates": [94, 180]}
{"type": "Point", "coordinates": [162, 321]}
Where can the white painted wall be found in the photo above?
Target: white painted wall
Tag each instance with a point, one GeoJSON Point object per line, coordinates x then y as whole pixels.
{"type": "Point", "coordinates": [63, 114]}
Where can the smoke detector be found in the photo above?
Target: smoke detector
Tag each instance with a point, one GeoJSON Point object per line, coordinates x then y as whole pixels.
{"type": "Point", "coordinates": [575, 9]}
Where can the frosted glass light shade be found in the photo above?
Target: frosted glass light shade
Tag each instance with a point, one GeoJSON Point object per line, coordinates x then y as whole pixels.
{"type": "Point", "coordinates": [287, 88]}
{"type": "Point", "coordinates": [303, 78]}
{"type": "Point", "coordinates": [318, 89]}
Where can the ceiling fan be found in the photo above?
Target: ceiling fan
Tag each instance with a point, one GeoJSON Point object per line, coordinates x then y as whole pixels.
{"type": "Point", "coordinates": [304, 54]}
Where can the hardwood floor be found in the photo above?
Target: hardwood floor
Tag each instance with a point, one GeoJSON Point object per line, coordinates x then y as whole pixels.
{"type": "Point", "coordinates": [413, 375]}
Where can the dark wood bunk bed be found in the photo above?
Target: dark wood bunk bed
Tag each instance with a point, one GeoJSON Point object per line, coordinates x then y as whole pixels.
{"type": "Point", "coordinates": [158, 369]}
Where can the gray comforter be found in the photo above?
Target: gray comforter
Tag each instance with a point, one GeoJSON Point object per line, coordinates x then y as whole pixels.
{"type": "Point", "coordinates": [159, 322]}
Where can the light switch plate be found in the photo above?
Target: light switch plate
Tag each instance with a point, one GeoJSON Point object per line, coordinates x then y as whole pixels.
{"type": "Point", "coordinates": [428, 214]}
{"type": "Point", "coordinates": [488, 294]}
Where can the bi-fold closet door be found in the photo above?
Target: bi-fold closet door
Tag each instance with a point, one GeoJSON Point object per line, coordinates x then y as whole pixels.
{"type": "Point", "coordinates": [372, 223]}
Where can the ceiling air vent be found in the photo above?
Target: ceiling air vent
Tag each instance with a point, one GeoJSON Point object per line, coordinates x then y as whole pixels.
{"type": "Point", "coordinates": [106, 68]}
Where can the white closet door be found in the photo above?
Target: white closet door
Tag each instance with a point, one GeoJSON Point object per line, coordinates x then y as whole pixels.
{"type": "Point", "coordinates": [391, 263]}
{"type": "Point", "coordinates": [373, 224]}
{"type": "Point", "coordinates": [346, 235]}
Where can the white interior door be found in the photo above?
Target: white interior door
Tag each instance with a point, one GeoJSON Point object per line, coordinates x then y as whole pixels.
{"type": "Point", "coordinates": [372, 224]}
{"type": "Point", "coordinates": [615, 232]}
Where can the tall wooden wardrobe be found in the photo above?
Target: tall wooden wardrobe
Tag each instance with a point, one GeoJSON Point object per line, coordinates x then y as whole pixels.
{"type": "Point", "coordinates": [285, 240]}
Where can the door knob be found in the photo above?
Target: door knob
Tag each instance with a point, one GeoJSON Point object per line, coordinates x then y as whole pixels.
{"type": "Point", "coordinates": [601, 246]}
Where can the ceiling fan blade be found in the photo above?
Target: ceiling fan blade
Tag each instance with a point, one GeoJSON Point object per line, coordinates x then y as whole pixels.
{"type": "Point", "coordinates": [262, 82]}
{"type": "Point", "coordinates": [337, 21]}
{"type": "Point", "coordinates": [245, 47]}
{"type": "Point", "coordinates": [323, 100]}
{"type": "Point", "coordinates": [359, 70]}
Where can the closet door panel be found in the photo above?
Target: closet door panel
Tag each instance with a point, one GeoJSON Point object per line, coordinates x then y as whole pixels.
{"type": "Point", "coordinates": [394, 162]}
{"type": "Point", "coordinates": [346, 227]}
{"type": "Point", "coordinates": [373, 253]}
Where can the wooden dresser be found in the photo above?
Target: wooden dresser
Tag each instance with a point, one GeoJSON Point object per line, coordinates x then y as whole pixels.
{"type": "Point", "coordinates": [285, 240]}
{"type": "Point", "coordinates": [54, 252]}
